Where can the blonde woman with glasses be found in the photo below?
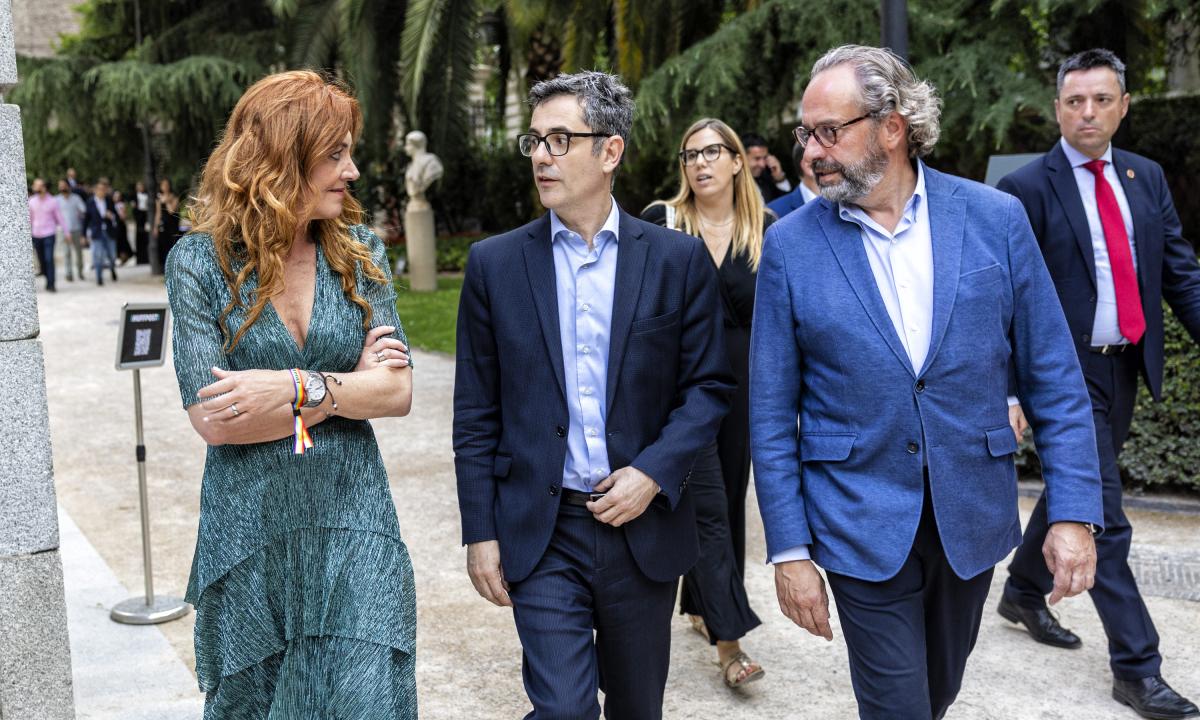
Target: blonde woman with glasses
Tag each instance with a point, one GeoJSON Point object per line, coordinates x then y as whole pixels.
{"type": "Point", "coordinates": [719, 203]}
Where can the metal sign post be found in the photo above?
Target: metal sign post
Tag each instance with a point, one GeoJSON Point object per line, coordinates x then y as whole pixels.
{"type": "Point", "coordinates": [141, 344]}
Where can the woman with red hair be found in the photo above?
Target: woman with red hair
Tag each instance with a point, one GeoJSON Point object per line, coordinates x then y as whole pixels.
{"type": "Point", "coordinates": [286, 342]}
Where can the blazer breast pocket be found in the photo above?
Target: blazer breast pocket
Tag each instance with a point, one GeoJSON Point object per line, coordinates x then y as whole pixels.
{"type": "Point", "coordinates": [981, 276]}
{"type": "Point", "coordinates": [658, 322]}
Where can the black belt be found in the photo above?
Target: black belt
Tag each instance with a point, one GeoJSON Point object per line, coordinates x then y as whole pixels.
{"type": "Point", "coordinates": [1110, 349]}
{"type": "Point", "coordinates": [575, 497]}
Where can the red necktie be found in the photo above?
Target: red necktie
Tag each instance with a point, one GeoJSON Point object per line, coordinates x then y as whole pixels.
{"type": "Point", "coordinates": [1129, 301]}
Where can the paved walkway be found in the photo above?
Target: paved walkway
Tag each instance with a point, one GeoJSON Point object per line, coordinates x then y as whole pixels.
{"type": "Point", "coordinates": [468, 655]}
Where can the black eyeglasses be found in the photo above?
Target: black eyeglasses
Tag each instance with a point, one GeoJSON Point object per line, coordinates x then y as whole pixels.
{"type": "Point", "coordinates": [710, 153]}
{"type": "Point", "coordinates": [557, 143]}
{"type": "Point", "coordinates": [826, 135]}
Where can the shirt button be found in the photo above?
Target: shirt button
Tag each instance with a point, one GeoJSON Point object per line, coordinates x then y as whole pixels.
{"type": "Point", "coordinates": [587, 391]}
{"type": "Point", "coordinates": [585, 307]}
{"type": "Point", "coordinates": [913, 448]}
{"type": "Point", "coordinates": [592, 432]}
{"type": "Point", "coordinates": [585, 350]}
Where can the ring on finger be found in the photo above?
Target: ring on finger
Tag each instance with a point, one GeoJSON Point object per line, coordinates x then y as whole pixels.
{"type": "Point", "coordinates": [233, 407]}
{"type": "Point", "coordinates": [379, 356]}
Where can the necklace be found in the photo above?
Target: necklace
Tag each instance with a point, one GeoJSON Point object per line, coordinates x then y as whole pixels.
{"type": "Point", "coordinates": [710, 223]}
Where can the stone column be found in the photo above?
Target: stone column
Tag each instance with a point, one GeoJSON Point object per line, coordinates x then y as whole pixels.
{"type": "Point", "coordinates": [35, 655]}
{"type": "Point", "coordinates": [421, 243]}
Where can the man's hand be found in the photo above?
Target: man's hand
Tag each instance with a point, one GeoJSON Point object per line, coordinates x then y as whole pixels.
{"type": "Point", "coordinates": [629, 492]}
{"type": "Point", "coordinates": [1016, 419]}
{"type": "Point", "coordinates": [483, 565]}
{"type": "Point", "coordinates": [802, 596]}
{"type": "Point", "coordinates": [775, 169]}
{"type": "Point", "coordinates": [1070, 552]}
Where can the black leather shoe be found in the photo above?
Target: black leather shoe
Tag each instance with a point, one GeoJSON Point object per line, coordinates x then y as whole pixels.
{"type": "Point", "coordinates": [1151, 697]}
{"type": "Point", "coordinates": [1040, 623]}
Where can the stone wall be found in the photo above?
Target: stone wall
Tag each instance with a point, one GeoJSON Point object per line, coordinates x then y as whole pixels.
{"type": "Point", "coordinates": [38, 23]}
{"type": "Point", "coordinates": [35, 656]}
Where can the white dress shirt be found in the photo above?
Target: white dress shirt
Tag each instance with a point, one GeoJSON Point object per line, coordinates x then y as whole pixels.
{"type": "Point", "coordinates": [902, 263]}
{"type": "Point", "coordinates": [1105, 329]}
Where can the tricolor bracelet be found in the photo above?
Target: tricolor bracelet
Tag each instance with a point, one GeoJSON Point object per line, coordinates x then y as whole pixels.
{"type": "Point", "coordinates": [302, 438]}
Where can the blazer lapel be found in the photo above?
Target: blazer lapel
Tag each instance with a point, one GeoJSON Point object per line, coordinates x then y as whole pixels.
{"type": "Point", "coordinates": [845, 239]}
{"type": "Point", "coordinates": [632, 249]}
{"type": "Point", "coordinates": [1139, 207]}
{"type": "Point", "coordinates": [947, 220]}
{"type": "Point", "coordinates": [1062, 179]}
{"type": "Point", "coordinates": [539, 267]}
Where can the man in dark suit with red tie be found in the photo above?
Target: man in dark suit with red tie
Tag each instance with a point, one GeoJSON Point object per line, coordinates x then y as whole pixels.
{"type": "Point", "coordinates": [1112, 241]}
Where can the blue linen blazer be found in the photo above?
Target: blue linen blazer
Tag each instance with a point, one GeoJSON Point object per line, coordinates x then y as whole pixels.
{"type": "Point", "coordinates": [848, 479]}
{"type": "Point", "coordinates": [1167, 267]}
{"type": "Point", "coordinates": [668, 388]}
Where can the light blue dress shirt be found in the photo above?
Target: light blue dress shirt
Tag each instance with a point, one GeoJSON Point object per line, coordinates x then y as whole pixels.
{"type": "Point", "coordinates": [585, 279]}
{"type": "Point", "coordinates": [902, 263]}
{"type": "Point", "coordinates": [1105, 329]}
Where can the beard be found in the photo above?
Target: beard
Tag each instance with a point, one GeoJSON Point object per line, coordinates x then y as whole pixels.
{"type": "Point", "coordinates": [858, 179]}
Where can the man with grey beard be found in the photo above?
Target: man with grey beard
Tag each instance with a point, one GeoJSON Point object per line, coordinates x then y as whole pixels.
{"type": "Point", "coordinates": [892, 313]}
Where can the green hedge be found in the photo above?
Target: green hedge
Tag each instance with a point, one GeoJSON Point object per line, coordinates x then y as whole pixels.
{"type": "Point", "coordinates": [451, 251]}
{"type": "Point", "coordinates": [1164, 441]}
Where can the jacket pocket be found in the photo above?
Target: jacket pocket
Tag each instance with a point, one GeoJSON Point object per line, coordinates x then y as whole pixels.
{"type": "Point", "coordinates": [654, 323]}
{"type": "Point", "coordinates": [501, 465]}
{"type": "Point", "coordinates": [826, 447]}
{"type": "Point", "coordinates": [1001, 441]}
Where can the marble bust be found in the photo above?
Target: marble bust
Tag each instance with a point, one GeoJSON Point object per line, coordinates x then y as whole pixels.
{"type": "Point", "coordinates": [423, 170]}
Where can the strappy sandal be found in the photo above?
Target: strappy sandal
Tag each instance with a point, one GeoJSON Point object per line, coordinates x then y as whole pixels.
{"type": "Point", "coordinates": [699, 627]}
{"type": "Point", "coordinates": [745, 664]}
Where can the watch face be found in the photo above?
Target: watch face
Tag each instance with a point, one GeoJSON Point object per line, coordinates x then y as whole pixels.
{"type": "Point", "coordinates": [314, 388]}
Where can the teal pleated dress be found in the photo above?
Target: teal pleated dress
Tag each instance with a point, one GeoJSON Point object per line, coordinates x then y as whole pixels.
{"type": "Point", "coordinates": [303, 589]}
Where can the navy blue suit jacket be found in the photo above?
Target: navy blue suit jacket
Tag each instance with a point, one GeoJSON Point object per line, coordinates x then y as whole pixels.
{"type": "Point", "coordinates": [1167, 267]}
{"type": "Point", "coordinates": [93, 220]}
{"type": "Point", "coordinates": [785, 204]}
{"type": "Point", "coordinates": [849, 479]}
{"type": "Point", "coordinates": [667, 390]}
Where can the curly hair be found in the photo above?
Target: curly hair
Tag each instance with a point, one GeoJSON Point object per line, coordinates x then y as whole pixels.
{"type": "Point", "coordinates": [887, 84]}
{"type": "Point", "coordinates": [255, 190]}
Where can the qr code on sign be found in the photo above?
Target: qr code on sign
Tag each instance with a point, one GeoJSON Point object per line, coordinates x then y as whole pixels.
{"type": "Point", "coordinates": [141, 342]}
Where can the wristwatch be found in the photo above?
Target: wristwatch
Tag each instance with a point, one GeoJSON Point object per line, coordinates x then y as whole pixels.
{"type": "Point", "coordinates": [314, 389]}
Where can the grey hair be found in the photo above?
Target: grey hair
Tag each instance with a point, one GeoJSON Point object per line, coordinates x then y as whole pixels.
{"type": "Point", "coordinates": [1088, 59]}
{"type": "Point", "coordinates": [887, 84]}
{"type": "Point", "coordinates": [606, 103]}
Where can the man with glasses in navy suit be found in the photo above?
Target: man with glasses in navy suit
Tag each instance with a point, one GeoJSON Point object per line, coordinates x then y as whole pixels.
{"type": "Point", "coordinates": [590, 373]}
{"type": "Point", "coordinates": [1109, 233]}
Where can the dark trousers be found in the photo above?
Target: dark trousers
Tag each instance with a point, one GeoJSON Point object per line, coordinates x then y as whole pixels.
{"type": "Point", "coordinates": [713, 588]}
{"type": "Point", "coordinates": [1132, 639]}
{"type": "Point", "coordinates": [909, 637]}
{"type": "Point", "coordinates": [142, 246]}
{"type": "Point", "coordinates": [588, 582]}
{"type": "Point", "coordinates": [44, 247]}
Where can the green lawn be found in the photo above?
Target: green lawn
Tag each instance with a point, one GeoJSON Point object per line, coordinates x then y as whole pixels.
{"type": "Point", "coordinates": [430, 318]}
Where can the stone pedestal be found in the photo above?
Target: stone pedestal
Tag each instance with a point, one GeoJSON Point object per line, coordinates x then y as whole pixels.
{"type": "Point", "coordinates": [35, 655]}
{"type": "Point", "coordinates": [422, 249]}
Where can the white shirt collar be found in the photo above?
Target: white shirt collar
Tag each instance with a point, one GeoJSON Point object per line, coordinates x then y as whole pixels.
{"type": "Point", "coordinates": [612, 224]}
{"type": "Point", "coordinates": [1078, 159]}
{"type": "Point", "coordinates": [855, 214]}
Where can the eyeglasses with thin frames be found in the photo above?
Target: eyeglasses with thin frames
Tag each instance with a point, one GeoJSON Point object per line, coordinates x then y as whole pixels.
{"type": "Point", "coordinates": [710, 153]}
{"type": "Point", "coordinates": [826, 135]}
{"type": "Point", "coordinates": [557, 143]}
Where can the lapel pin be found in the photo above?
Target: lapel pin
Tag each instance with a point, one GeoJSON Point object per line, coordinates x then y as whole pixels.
{"type": "Point", "coordinates": [1129, 173]}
